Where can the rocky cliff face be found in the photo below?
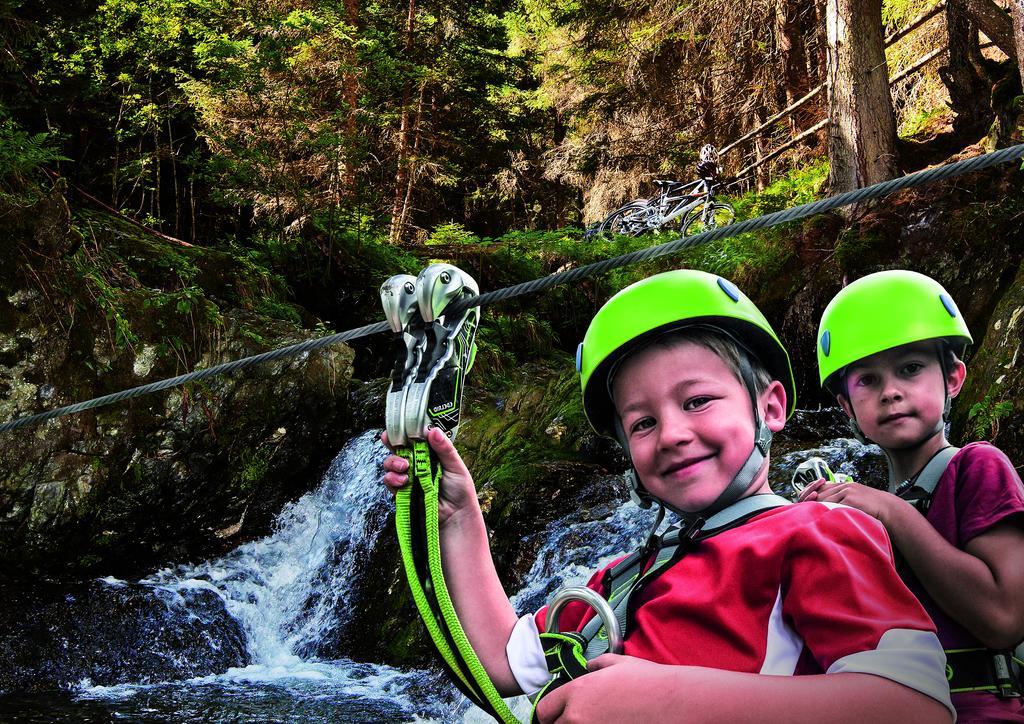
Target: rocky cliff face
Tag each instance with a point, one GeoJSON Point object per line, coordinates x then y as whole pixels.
{"type": "Point", "coordinates": [164, 477]}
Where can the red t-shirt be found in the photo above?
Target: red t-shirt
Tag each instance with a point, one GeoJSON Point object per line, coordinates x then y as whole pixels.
{"type": "Point", "coordinates": [801, 589]}
{"type": "Point", "coordinates": [978, 489]}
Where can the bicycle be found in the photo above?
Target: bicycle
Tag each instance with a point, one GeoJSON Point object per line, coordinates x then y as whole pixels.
{"type": "Point", "coordinates": [693, 203]}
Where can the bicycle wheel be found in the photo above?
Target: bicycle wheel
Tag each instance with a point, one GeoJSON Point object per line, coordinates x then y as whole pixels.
{"type": "Point", "coordinates": [630, 220]}
{"type": "Point", "coordinates": [705, 218]}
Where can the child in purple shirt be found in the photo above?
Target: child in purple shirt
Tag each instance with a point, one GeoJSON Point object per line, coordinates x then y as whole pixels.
{"type": "Point", "coordinates": [889, 348]}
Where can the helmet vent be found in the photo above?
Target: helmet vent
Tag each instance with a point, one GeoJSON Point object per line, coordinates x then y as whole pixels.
{"type": "Point", "coordinates": [948, 303]}
{"type": "Point", "coordinates": [826, 343]}
{"type": "Point", "coordinates": [731, 290]}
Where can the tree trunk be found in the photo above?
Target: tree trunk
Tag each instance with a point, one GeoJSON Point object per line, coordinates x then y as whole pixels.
{"type": "Point", "coordinates": [994, 22]}
{"type": "Point", "coordinates": [789, 31]}
{"type": "Point", "coordinates": [410, 177]}
{"type": "Point", "coordinates": [1018, 34]}
{"type": "Point", "coordinates": [862, 128]}
{"type": "Point", "coordinates": [817, 62]}
{"type": "Point", "coordinates": [962, 75]}
{"type": "Point", "coordinates": [402, 151]}
{"type": "Point", "coordinates": [351, 98]}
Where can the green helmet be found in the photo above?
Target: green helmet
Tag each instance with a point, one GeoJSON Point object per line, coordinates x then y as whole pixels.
{"type": "Point", "coordinates": [663, 303]}
{"type": "Point", "coordinates": [885, 310]}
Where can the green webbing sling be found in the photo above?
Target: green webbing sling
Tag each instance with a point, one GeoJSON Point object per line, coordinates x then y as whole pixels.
{"type": "Point", "coordinates": [417, 526]}
{"type": "Point", "coordinates": [426, 390]}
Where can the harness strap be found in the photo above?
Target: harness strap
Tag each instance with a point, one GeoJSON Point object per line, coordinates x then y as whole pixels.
{"type": "Point", "coordinates": [969, 670]}
{"type": "Point", "coordinates": [623, 580]}
{"type": "Point", "coordinates": [417, 527]}
{"type": "Point", "coordinates": [920, 488]}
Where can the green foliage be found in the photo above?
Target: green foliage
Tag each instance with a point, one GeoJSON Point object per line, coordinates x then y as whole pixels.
{"type": "Point", "coordinates": [896, 13]}
{"type": "Point", "coordinates": [925, 123]}
{"type": "Point", "coordinates": [252, 467]}
{"type": "Point", "coordinates": [21, 156]}
{"type": "Point", "coordinates": [766, 252]}
{"type": "Point", "coordinates": [987, 414]}
{"type": "Point", "coordinates": [451, 233]}
{"type": "Point", "coordinates": [277, 309]}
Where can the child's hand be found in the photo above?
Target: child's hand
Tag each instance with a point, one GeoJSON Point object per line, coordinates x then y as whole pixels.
{"type": "Point", "coordinates": [876, 503]}
{"type": "Point", "coordinates": [597, 696]}
{"type": "Point", "coordinates": [457, 489]}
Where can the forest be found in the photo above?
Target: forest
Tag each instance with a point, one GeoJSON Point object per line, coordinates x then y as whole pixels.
{"type": "Point", "coordinates": [293, 123]}
{"type": "Point", "coordinates": [184, 183]}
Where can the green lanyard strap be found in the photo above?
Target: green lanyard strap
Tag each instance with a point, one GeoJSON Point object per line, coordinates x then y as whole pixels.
{"type": "Point", "coordinates": [436, 351]}
{"type": "Point", "coordinates": [417, 527]}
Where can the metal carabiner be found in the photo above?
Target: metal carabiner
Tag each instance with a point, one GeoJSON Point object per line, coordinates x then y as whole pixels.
{"type": "Point", "coordinates": [398, 298]}
{"type": "Point", "coordinates": [810, 470]}
{"type": "Point", "coordinates": [597, 602]}
{"type": "Point", "coordinates": [449, 352]}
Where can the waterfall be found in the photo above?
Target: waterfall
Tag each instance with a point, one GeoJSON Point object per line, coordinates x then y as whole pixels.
{"type": "Point", "coordinates": [291, 590]}
{"type": "Point", "coordinates": [284, 589]}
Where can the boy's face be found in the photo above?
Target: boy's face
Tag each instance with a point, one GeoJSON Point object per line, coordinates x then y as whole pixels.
{"type": "Point", "coordinates": [689, 422]}
{"type": "Point", "coordinates": [898, 394]}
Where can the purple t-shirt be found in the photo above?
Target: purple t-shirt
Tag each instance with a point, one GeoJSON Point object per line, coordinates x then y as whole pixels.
{"type": "Point", "coordinates": [979, 489]}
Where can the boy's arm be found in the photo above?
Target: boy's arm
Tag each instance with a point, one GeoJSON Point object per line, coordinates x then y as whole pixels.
{"type": "Point", "coordinates": [484, 610]}
{"type": "Point", "coordinates": [622, 688]}
{"type": "Point", "coordinates": [981, 587]}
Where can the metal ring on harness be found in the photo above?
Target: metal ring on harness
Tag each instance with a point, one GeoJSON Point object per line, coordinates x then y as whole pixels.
{"type": "Point", "coordinates": [596, 602]}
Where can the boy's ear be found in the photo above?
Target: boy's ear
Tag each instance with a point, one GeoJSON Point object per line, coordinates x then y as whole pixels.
{"type": "Point", "coordinates": [773, 401]}
{"type": "Point", "coordinates": [955, 378]}
{"type": "Point", "coordinates": [845, 404]}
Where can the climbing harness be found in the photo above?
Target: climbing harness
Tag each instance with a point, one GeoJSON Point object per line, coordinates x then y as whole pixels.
{"type": "Point", "coordinates": [567, 654]}
{"type": "Point", "coordinates": [967, 670]}
{"type": "Point", "coordinates": [919, 488]}
{"type": "Point", "coordinates": [435, 351]}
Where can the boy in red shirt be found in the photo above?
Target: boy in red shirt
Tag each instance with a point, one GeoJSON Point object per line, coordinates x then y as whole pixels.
{"type": "Point", "coordinates": [760, 610]}
{"type": "Point", "coordinates": [889, 348]}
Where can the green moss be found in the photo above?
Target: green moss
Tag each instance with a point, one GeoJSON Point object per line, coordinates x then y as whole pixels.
{"type": "Point", "coordinates": [252, 467]}
{"type": "Point", "coordinates": [501, 443]}
{"type": "Point", "coordinates": [857, 247]}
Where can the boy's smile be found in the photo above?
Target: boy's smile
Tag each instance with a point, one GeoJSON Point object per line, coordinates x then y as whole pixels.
{"type": "Point", "coordinates": [688, 422]}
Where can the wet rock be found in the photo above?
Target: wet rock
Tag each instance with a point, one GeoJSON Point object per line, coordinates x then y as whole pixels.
{"type": "Point", "coordinates": [57, 636]}
{"type": "Point", "coordinates": [143, 483]}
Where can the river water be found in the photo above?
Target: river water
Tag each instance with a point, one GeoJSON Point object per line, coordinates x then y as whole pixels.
{"type": "Point", "coordinates": [286, 591]}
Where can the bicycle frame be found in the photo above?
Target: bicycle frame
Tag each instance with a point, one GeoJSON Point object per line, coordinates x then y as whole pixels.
{"type": "Point", "coordinates": [674, 200]}
{"type": "Point", "coordinates": [672, 207]}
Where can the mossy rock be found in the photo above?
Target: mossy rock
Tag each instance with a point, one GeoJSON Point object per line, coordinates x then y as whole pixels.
{"type": "Point", "coordinates": [991, 404]}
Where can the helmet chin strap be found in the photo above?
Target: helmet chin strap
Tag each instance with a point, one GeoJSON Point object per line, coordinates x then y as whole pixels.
{"type": "Point", "coordinates": [740, 483]}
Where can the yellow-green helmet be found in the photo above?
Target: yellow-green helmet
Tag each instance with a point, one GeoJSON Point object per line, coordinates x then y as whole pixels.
{"type": "Point", "coordinates": [881, 311]}
{"type": "Point", "coordinates": [662, 303]}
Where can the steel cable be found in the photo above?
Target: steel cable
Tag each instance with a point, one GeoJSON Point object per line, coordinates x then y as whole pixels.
{"type": "Point", "coordinates": [867, 193]}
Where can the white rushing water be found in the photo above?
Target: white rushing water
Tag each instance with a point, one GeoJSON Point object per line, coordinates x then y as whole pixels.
{"type": "Point", "coordinates": [289, 591]}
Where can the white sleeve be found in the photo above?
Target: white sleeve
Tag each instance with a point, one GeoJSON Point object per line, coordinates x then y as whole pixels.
{"type": "Point", "coordinates": [526, 656]}
{"type": "Point", "coordinates": [909, 657]}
